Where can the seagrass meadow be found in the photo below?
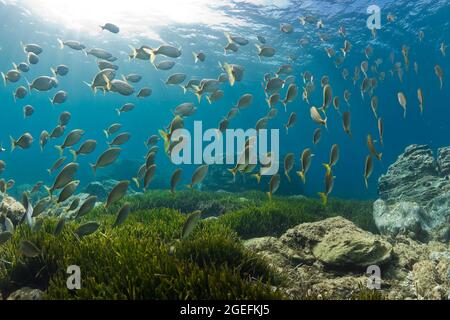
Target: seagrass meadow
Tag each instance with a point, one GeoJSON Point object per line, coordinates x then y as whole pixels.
{"type": "Point", "coordinates": [145, 259]}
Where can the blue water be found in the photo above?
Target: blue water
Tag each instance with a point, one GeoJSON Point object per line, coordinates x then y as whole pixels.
{"type": "Point", "coordinates": [94, 113]}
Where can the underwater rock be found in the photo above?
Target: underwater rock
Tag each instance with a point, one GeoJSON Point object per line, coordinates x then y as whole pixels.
{"type": "Point", "coordinates": [26, 294]}
{"type": "Point", "coordinates": [17, 192]}
{"type": "Point", "coordinates": [400, 218]}
{"type": "Point", "coordinates": [415, 195]}
{"type": "Point", "coordinates": [219, 178]}
{"type": "Point", "coordinates": [413, 177]}
{"type": "Point", "coordinates": [443, 161]}
{"type": "Point", "coordinates": [429, 279]}
{"type": "Point", "coordinates": [12, 208]}
{"type": "Point", "coordinates": [61, 210]}
{"type": "Point", "coordinates": [101, 189]}
{"type": "Point", "coordinates": [121, 170]}
{"type": "Point", "coordinates": [404, 263]}
{"type": "Point", "coordinates": [125, 169]}
{"type": "Point", "coordinates": [338, 243]}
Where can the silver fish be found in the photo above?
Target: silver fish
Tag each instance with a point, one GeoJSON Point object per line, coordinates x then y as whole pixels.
{"type": "Point", "coordinates": [106, 158]}
{"type": "Point", "coordinates": [120, 139]}
{"type": "Point", "coordinates": [117, 193]}
{"type": "Point", "coordinates": [176, 79]}
{"type": "Point", "coordinates": [61, 70]}
{"type": "Point", "coordinates": [43, 83]}
{"type": "Point", "coordinates": [87, 147]}
{"type": "Point", "coordinates": [87, 228]}
{"type": "Point", "coordinates": [190, 224]}
{"type": "Point", "coordinates": [72, 138]}
{"type": "Point", "coordinates": [72, 44]}
{"type": "Point", "coordinates": [111, 28]}
{"type": "Point", "coordinates": [64, 177]}
{"type": "Point", "coordinates": [86, 207]}
{"type": "Point", "coordinates": [99, 53]}
{"type": "Point", "coordinates": [122, 215]}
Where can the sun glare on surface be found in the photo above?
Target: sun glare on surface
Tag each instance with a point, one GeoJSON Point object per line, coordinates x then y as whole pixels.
{"type": "Point", "coordinates": [131, 15]}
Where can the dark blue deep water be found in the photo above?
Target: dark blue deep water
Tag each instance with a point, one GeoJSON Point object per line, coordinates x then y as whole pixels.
{"type": "Point", "coordinates": [36, 22]}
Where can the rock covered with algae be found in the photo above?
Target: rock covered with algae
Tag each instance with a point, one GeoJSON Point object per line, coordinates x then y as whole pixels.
{"type": "Point", "coordinates": [329, 259]}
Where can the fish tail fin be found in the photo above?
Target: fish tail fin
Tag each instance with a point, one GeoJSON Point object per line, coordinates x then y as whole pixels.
{"type": "Point", "coordinates": [14, 97]}
{"type": "Point", "coordinates": [184, 89]}
{"type": "Point", "coordinates": [106, 133]}
{"type": "Point", "coordinates": [288, 177]}
{"type": "Point", "coordinates": [302, 176]}
{"type": "Point", "coordinates": [136, 182]}
{"type": "Point", "coordinates": [152, 56]}
{"type": "Point", "coordinates": [228, 36]}
{"type": "Point", "coordinates": [51, 101]}
{"type": "Point", "coordinates": [257, 176]}
{"type": "Point", "coordinates": [199, 96]}
{"type": "Point", "coordinates": [328, 168]}
{"type": "Point", "coordinates": [49, 172]}
{"type": "Point", "coordinates": [61, 43]}
{"type": "Point", "coordinates": [195, 57]}
{"type": "Point", "coordinates": [94, 168]}
{"type": "Point", "coordinates": [53, 71]}
{"type": "Point", "coordinates": [166, 138]}
{"type": "Point", "coordinates": [233, 172]}
{"type": "Point", "coordinates": [118, 112]}
{"type": "Point", "coordinates": [91, 86]}
{"type": "Point", "coordinates": [13, 143]}
{"type": "Point", "coordinates": [287, 129]}
{"type": "Point", "coordinates": [74, 154]}
{"type": "Point", "coordinates": [133, 52]}
{"type": "Point", "coordinates": [269, 194]}
{"type": "Point", "coordinates": [60, 150]}
{"type": "Point", "coordinates": [366, 183]}
{"type": "Point", "coordinates": [325, 123]}
{"type": "Point", "coordinates": [49, 191]}
{"type": "Point", "coordinates": [209, 100]}
{"type": "Point", "coordinates": [380, 156]}
{"type": "Point", "coordinates": [108, 82]}
{"type": "Point", "coordinates": [324, 198]}
{"type": "Point", "coordinates": [5, 80]}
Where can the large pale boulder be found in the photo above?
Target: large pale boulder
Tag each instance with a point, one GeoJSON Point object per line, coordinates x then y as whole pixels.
{"type": "Point", "coordinates": [399, 218]}
{"type": "Point", "coordinates": [339, 243]}
{"type": "Point", "coordinates": [351, 248]}
{"type": "Point", "coordinates": [415, 195]}
{"type": "Point", "coordinates": [12, 208]}
{"type": "Point", "coordinates": [328, 260]}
